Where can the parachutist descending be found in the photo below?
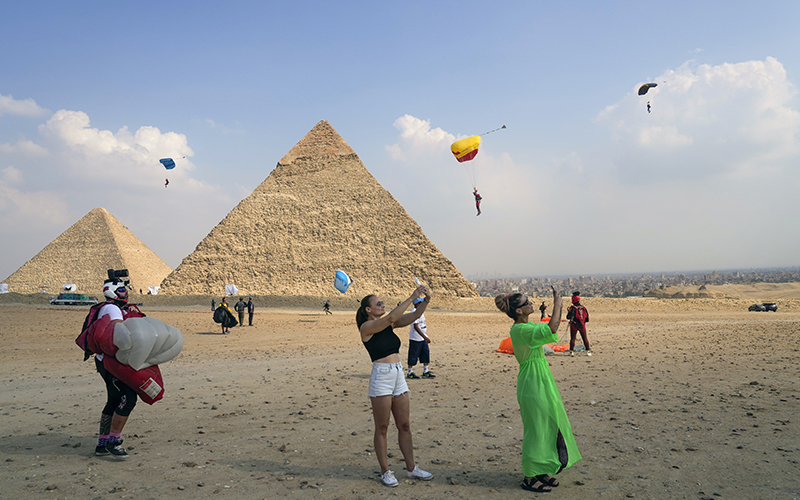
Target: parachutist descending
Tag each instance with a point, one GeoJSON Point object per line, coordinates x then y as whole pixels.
{"type": "Point", "coordinates": [648, 106]}
{"type": "Point", "coordinates": [478, 199]}
{"type": "Point", "coordinates": [166, 183]}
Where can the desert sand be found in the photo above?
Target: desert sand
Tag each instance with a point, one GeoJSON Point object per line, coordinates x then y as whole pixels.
{"type": "Point", "coordinates": [684, 398]}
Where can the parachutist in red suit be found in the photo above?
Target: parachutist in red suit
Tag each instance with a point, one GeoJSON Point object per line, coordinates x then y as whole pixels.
{"type": "Point", "coordinates": [477, 200]}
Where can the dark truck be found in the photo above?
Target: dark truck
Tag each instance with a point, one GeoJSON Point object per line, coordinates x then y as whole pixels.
{"type": "Point", "coordinates": [766, 306]}
{"type": "Point", "coordinates": [73, 299]}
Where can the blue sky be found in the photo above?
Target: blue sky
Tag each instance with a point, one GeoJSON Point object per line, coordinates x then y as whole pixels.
{"type": "Point", "coordinates": [583, 181]}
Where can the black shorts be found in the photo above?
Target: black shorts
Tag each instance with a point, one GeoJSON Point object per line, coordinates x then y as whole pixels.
{"type": "Point", "coordinates": [418, 350]}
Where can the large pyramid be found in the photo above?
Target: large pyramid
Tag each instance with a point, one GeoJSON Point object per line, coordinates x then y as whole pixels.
{"type": "Point", "coordinates": [84, 253]}
{"type": "Point", "coordinates": [319, 210]}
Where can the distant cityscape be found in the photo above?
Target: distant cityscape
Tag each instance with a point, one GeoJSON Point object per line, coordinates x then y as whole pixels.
{"type": "Point", "coordinates": [629, 285]}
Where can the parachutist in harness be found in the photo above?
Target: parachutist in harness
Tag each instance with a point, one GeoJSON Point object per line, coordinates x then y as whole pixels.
{"type": "Point", "coordinates": [166, 183]}
{"type": "Point", "coordinates": [478, 199]}
{"type": "Point", "coordinates": [120, 397]}
{"type": "Point", "coordinates": [648, 106]}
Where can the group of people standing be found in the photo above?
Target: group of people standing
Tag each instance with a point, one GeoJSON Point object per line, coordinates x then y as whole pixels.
{"type": "Point", "coordinates": [224, 316]}
{"type": "Point", "coordinates": [548, 445]}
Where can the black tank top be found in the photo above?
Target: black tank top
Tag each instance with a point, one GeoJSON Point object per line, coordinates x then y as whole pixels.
{"type": "Point", "coordinates": [383, 343]}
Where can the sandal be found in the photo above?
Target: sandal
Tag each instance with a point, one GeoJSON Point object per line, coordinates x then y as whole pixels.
{"type": "Point", "coordinates": [548, 480]}
{"type": "Point", "coordinates": [527, 484]}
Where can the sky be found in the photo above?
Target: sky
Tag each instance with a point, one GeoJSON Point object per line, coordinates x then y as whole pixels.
{"type": "Point", "coordinates": [582, 181]}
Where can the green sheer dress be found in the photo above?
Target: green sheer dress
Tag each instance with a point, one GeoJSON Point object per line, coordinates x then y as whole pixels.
{"type": "Point", "coordinates": [548, 445]}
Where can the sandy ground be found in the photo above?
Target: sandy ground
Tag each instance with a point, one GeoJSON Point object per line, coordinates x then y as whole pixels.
{"type": "Point", "coordinates": [682, 399]}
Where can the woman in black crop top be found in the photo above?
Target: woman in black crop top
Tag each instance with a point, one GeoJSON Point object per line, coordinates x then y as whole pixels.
{"type": "Point", "coordinates": [388, 391]}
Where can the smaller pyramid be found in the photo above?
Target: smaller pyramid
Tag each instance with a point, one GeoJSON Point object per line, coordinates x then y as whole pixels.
{"type": "Point", "coordinates": [84, 253]}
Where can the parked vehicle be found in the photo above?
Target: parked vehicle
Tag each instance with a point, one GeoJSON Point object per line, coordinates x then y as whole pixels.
{"type": "Point", "coordinates": [766, 306]}
{"type": "Point", "coordinates": [73, 299]}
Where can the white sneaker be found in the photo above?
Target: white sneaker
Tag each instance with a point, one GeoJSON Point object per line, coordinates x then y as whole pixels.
{"type": "Point", "coordinates": [588, 353]}
{"type": "Point", "coordinates": [418, 473]}
{"type": "Point", "coordinates": [572, 353]}
{"type": "Point", "coordinates": [389, 479]}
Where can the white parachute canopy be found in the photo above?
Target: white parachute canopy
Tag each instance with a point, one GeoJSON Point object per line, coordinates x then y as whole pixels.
{"type": "Point", "coordinates": [231, 290]}
{"type": "Point", "coordinates": [144, 342]}
{"type": "Point", "coordinates": [69, 287]}
{"type": "Point", "coordinates": [3, 287]}
{"type": "Point", "coordinates": [154, 289]}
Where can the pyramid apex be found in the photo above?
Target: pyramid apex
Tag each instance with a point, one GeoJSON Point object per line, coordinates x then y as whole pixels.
{"type": "Point", "coordinates": [322, 140]}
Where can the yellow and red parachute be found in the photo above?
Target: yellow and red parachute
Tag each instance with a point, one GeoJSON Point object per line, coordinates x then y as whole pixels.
{"type": "Point", "coordinates": [467, 149]}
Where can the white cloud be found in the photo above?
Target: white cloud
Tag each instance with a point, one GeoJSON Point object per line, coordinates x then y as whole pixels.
{"type": "Point", "coordinates": [662, 137]}
{"type": "Point", "coordinates": [729, 119]}
{"type": "Point", "coordinates": [417, 138]}
{"type": "Point", "coordinates": [23, 147]}
{"type": "Point", "coordinates": [11, 175]}
{"type": "Point", "coordinates": [21, 208]}
{"type": "Point", "coordinates": [26, 107]}
{"type": "Point", "coordinates": [104, 155]}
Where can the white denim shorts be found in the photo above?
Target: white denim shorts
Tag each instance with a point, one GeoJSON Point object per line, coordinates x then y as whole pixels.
{"type": "Point", "coordinates": [387, 379]}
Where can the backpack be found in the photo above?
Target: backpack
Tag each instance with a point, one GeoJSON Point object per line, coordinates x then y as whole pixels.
{"type": "Point", "coordinates": [128, 311]}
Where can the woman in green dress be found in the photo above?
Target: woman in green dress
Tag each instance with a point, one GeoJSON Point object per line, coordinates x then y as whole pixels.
{"type": "Point", "coordinates": [548, 445]}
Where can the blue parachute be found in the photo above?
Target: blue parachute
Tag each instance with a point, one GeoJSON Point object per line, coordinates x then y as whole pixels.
{"type": "Point", "coordinates": [168, 163]}
{"type": "Point", "coordinates": [342, 281]}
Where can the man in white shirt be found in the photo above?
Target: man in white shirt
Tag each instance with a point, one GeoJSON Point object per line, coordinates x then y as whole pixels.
{"type": "Point", "coordinates": [418, 350]}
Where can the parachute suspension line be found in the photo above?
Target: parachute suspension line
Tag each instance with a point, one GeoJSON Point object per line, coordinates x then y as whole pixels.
{"type": "Point", "coordinates": [495, 130]}
{"type": "Point", "coordinates": [474, 176]}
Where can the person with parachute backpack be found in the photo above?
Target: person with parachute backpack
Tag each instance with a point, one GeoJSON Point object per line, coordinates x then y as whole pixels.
{"type": "Point", "coordinates": [224, 316]}
{"type": "Point", "coordinates": [121, 398]}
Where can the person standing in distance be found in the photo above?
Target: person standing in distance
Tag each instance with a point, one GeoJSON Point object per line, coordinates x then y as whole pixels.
{"type": "Point", "coordinates": [251, 309]}
{"type": "Point", "coordinates": [418, 349]}
{"type": "Point", "coordinates": [388, 391]}
{"type": "Point", "coordinates": [578, 316]}
{"type": "Point", "coordinates": [240, 308]}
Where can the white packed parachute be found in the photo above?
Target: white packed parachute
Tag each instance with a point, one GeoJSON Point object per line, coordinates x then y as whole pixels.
{"type": "Point", "coordinates": [69, 287]}
{"type": "Point", "coordinates": [3, 287]}
{"type": "Point", "coordinates": [154, 289]}
{"type": "Point", "coordinates": [231, 290]}
{"type": "Point", "coordinates": [145, 342]}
